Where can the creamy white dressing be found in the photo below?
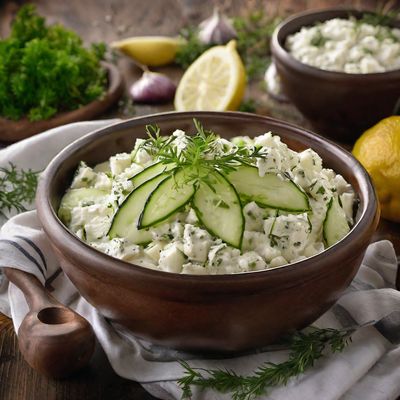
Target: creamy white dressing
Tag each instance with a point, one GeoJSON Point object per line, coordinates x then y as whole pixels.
{"type": "Point", "coordinates": [182, 245]}
{"type": "Point", "coordinates": [347, 45]}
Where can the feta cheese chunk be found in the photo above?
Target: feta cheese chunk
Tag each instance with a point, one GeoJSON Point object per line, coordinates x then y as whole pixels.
{"type": "Point", "coordinates": [196, 243]}
{"type": "Point", "coordinates": [171, 258]}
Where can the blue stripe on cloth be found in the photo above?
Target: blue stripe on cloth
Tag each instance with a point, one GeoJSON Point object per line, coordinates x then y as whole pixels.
{"type": "Point", "coordinates": [25, 253]}
{"type": "Point", "coordinates": [36, 248]}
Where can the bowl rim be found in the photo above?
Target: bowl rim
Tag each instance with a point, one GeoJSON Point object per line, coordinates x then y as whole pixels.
{"type": "Point", "coordinates": [279, 51]}
{"type": "Point", "coordinates": [100, 262]}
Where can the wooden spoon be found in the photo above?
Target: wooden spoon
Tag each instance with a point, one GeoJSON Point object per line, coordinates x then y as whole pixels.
{"type": "Point", "coordinates": [54, 340]}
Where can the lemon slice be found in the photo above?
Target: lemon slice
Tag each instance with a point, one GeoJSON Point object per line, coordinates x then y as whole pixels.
{"type": "Point", "coordinates": [153, 51]}
{"type": "Point", "coordinates": [216, 81]}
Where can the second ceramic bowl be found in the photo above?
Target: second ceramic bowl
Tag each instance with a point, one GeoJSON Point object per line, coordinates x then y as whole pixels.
{"type": "Point", "coordinates": [338, 105]}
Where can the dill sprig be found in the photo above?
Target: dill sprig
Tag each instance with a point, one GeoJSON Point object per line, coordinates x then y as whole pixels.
{"type": "Point", "coordinates": [305, 349]}
{"type": "Point", "coordinates": [17, 188]}
{"type": "Point", "coordinates": [203, 151]}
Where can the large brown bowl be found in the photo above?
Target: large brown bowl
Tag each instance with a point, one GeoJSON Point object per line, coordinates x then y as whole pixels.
{"type": "Point", "coordinates": [209, 313]}
{"type": "Point", "coordinates": [337, 104]}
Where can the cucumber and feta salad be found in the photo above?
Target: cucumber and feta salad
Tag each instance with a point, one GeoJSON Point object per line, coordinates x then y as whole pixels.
{"type": "Point", "coordinates": [201, 204]}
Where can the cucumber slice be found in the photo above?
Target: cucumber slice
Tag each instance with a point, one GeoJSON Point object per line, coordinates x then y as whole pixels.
{"type": "Point", "coordinates": [336, 226]}
{"type": "Point", "coordinates": [126, 218]}
{"type": "Point", "coordinates": [78, 197]}
{"type": "Point", "coordinates": [169, 196]}
{"type": "Point", "coordinates": [150, 172]}
{"type": "Point", "coordinates": [219, 210]}
{"type": "Point", "coordinates": [269, 190]}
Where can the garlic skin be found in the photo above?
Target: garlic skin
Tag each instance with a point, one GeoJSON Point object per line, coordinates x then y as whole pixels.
{"type": "Point", "coordinates": [153, 87]}
{"type": "Point", "coordinates": [216, 30]}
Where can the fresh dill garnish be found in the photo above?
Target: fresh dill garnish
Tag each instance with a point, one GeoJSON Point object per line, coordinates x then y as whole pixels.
{"type": "Point", "coordinates": [254, 32]}
{"type": "Point", "coordinates": [17, 188]}
{"type": "Point", "coordinates": [305, 349]}
{"type": "Point", "coordinates": [203, 152]}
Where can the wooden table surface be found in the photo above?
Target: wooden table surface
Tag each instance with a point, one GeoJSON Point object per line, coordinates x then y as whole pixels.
{"type": "Point", "coordinates": [106, 20]}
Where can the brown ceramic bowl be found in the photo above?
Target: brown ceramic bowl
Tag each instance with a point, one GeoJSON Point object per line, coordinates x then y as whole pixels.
{"type": "Point", "coordinates": [195, 312]}
{"type": "Point", "coordinates": [338, 104]}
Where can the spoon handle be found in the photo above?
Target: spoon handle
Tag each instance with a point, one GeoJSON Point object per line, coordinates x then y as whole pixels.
{"type": "Point", "coordinates": [54, 339]}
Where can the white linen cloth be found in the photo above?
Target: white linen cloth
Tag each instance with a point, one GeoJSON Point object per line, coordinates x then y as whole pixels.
{"type": "Point", "coordinates": [368, 368]}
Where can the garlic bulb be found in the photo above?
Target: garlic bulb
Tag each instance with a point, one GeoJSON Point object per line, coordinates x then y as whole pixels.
{"type": "Point", "coordinates": [153, 87]}
{"type": "Point", "coordinates": [216, 30]}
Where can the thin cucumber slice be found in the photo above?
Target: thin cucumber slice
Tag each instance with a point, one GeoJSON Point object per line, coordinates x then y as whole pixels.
{"type": "Point", "coordinates": [336, 226]}
{"type": "Point", "coordinates": [78, 197]}
{"type": "Point", "coordinates": [126, 218]}
{"type": "Point", "coordinates": [149, 173]}
{"type": "Point", "coordinates": [220, 210]}
{"type": "Point", "coordinates": [170, 195]}
{"type": "Point", "coordinates": [269, 190]}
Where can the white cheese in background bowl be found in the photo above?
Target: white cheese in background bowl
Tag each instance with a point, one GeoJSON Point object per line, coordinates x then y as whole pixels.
{"type": "Point", "coordinates": [347, 45]}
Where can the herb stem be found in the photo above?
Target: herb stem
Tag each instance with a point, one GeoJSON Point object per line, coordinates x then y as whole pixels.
{"type": "Point", "coordinates": [17, 188]}
{"type": "Point", "coordinates": [305, 349]}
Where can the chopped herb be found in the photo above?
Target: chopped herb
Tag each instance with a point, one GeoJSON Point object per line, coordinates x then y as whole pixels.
{"type": "Point", "coordinates": [318, 40]}
{"type": "Point", "coordinates": [252, 264]}
{"type": "Point", "coordinates": [321, 190]}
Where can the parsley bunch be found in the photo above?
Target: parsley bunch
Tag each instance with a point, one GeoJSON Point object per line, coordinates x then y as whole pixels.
{"type": "Point", "coordinates": [45, 69]}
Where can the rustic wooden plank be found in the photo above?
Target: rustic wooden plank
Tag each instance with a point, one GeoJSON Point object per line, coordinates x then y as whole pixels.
{"type": "Point", "coordinates": [96, 382]}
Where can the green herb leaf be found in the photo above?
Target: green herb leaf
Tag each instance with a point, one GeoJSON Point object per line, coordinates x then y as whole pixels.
{"type": "Point", "coordinates": [305, 348]}
{"type": "Point", "coordinates": [17, 188]}
{"type": "Point", "coordinates": [203, 152]}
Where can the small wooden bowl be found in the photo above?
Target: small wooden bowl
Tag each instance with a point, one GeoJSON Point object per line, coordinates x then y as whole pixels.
{"type": "Point", "coordinates": [222, 313]}
{"type": "Point", "coordinates": [13, 131]}
{"type": "Point", "coordinates": [338, 104]}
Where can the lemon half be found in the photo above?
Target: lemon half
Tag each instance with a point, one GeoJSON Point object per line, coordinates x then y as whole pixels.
{"type": "Point", "coordinates": [153, 51]}
{"type": "Point", "coordinates": [216, 81]}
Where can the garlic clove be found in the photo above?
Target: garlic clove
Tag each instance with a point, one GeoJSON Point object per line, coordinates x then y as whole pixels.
{"type": "Point", "coordinates": [153, 87]}
{"type": "Point", "coordinates": [216, 30]}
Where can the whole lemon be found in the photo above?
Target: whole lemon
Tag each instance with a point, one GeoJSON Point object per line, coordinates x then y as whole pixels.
{"type": "Point", "coordinates": [378, 150]}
